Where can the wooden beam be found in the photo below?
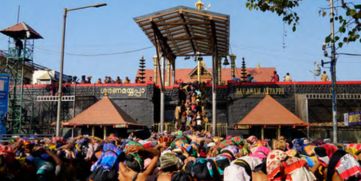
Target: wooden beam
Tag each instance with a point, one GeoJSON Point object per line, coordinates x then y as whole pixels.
{"type": "Point", "coordinates": [190, 38]}
{"type": "Point", "coordinates": [202, 14]}
{"type": "Point", "coordinates": [188, 32]}
{"type": "Point", "coordinates": [162, 41]}
{"type": "Point", "coordinates": [177, 23]}
{"type": "Point", "coordinates": [170, 34]}
{"type": "Point", "coordinates": [157, 47]}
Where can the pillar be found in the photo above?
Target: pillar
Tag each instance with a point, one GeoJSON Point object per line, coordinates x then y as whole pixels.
{"type": "Point", "coordinates": [168, 73]}
{"type": "Point", "coordinates": [262, 133]}
{"type": "Point", "coordinates": [307, 120]}
{"type": "Point", "coordinates": [104, 132]}
{"type": "Point", "coordinates": [219, 70]}
{"type": "Point", "coordinates": [93, 130]}
{"type": "Point", "coordinates": [214, 95]}
{"type": "Point", "coordinates": [155, 70]}
{"type": "Point", "coordinates": [173, 72]}
{"type": "Point", "coordinates": [199, 71]}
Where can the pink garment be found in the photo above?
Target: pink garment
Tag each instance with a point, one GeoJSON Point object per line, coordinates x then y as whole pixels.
{"type": "Point", "coordinates": [261, 152]}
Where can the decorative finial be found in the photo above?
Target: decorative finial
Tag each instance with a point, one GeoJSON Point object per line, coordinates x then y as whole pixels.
{"type": "Point", "coordinates": [199, 5]}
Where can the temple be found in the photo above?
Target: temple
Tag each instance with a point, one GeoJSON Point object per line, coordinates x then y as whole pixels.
{"type": "Point", "coordinates": [236, 100]}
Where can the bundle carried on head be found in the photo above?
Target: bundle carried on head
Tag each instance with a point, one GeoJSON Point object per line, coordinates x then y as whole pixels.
{"type": "Point", "coordinates": [168, 160]}
{"type": "Point", "coordinates": [345, 165]}
{"type": "Point", "coordinates": [274, 163]}
{"type": "Point", "coordinates": [230, 152]}
{"type": "Point", "coordinates": [132, 147]}
{"type": "Point", "coordinates": [353, 149]}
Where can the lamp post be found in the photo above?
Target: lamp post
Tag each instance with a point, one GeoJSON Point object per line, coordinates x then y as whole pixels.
{"type": "Point", "coordinates": [332, 63]}
{"type": "Point", "coordinates": [62, 60]}
{"type": "Point", "coordinates": [333, 74]}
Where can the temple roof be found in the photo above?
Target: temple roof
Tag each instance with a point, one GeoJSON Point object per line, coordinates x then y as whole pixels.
{"type": "Point", "coordinates": [103, 112]}
{"type": "Point", "coordinates": [271, 112]}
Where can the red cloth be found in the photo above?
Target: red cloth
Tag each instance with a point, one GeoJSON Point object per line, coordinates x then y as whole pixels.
{"type": "Point", "coordinates": [330, 149]}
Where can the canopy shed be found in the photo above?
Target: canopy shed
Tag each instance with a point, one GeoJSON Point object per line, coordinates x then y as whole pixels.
{"type": "Point", "coordinates": [184, 31]}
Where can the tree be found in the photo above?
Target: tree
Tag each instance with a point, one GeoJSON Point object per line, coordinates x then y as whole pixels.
{"type": "Point", "coordinates": [348, 17]}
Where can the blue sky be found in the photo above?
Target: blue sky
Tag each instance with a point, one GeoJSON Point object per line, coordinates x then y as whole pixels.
{"type": "Point", "coordinates": [254, 35]}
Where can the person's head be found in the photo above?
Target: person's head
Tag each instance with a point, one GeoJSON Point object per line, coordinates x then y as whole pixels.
{"type": "Point", "coordinates": [169, 162]}
{"type": "Point", "coordinates": [274, 72]}
{"type": "Point", "coordinates": [287, 73]}
{"type": "Point", "coordinates": [181, 176]}
{"type": "Point", "coordinates": [205, 169]}
{"type": "Point", "coordinates": [134, 162]}
{"type": "Point", "coordinates": [280, 145]}
{"type": "Point", "coordinates": [321, 155]}
{"type": "Point", "coordinates": [324, 72]}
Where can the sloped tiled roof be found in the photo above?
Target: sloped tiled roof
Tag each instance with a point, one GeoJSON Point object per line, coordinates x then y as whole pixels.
{"type": "Point", "coordinates": [20, 31]}
{"type": "Point", "coordinates": [262, 74]}
{"type": "Point", "coordinates": [271, 112]}
{"type": "Point", "coordinates": [103, 112]}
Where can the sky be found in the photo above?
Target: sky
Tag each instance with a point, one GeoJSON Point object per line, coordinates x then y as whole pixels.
{"type": "Point", "coordinates": [254, 35]}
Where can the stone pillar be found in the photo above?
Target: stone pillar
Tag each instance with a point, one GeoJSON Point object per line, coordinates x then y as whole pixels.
{"type": "Point", "coordinates": [199, 71]}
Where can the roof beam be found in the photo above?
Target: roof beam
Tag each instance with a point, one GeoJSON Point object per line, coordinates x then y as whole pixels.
{"type": "Point", "coordinates": [177, 23]}
{"type": "Point", "coordinates": [188, 32]}
{"type": "Point", "coordinates": [189, 38]}
{"type": "Point", "coordinates": [214, 37]}
{"type": "Point", "coordinates": [166, 50]}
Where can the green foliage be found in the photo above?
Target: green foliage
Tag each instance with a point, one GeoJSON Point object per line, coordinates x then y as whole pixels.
{"type": "Point", "coordinates": [347, 20]}
{"type": "Point", "coordinates": [282, 8]}
{"type": "Point", "coordinates": [349, 26]}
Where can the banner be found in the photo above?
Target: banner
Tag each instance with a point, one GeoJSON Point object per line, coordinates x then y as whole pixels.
{"type": "Point", "coordinates": [4, 97]}
{"type": "Point", "coordinates": [354, 118]}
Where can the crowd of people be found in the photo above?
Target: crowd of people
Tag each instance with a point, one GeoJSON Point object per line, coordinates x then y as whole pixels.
{"type": "Point", "coordinates": [190, 112]}
{"type": "Point", "coordinates": [178, 156]}
{"type": "Point", "coordinates": [249, 78]}
{"type": "Point", "coordinates": [108, 80]}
